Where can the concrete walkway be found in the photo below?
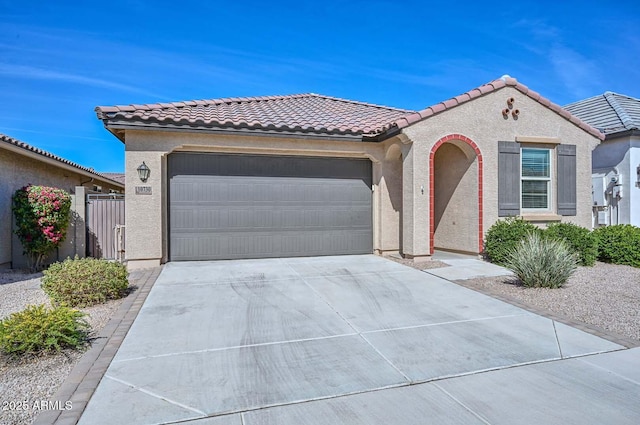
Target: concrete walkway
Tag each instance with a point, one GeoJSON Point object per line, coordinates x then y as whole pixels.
{"type": "Point", "coordinates": [353, 340]}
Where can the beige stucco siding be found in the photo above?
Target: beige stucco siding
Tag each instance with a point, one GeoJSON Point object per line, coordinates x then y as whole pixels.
{"type": "Point", "coordinates": [402, 197]}
{"type": "Point", "coordinates": [147, 228]}
{"type": "Point", "coordinates": [16, 171]}
{"type": "Point", "coordinates": [482, 121]}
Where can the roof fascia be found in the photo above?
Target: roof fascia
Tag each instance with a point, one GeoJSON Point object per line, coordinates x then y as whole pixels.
{"type": "Point", "coordinates": [118, 128]}
{"type": "Point", "coordinates": [624, 133]}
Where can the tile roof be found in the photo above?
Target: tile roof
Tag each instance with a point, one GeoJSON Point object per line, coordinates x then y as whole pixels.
{"type": "Point", "coordinates": [22, 145]}
{"type": "Point", "coordinates": [491, 87]}
{"type": "Point", "coordinates": [119, 177]}
{"type": "Point", "coordinates": [610, 112]}
{"type": "Point", "coordinates": [302, 113]}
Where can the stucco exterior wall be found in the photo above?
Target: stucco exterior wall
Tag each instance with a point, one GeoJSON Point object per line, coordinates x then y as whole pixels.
{"type": "Point", "coordinates": [634, 182]}
{"type": "Point", "coordinates": [390, 208]}
{"type": "Point", "coordinates": [147, 227]}
{"type": "Point", "coordinates": [622, 154]}
{"type": "Point", "coordinates": [17, 171]}
{"type": "Point", "coordinates": [482, 121]}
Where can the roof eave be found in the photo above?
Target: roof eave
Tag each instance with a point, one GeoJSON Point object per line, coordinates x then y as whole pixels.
{"type": "Point", "coordinates": [623, 133]}
{"type": "Point", "coordinates": [118, 129]}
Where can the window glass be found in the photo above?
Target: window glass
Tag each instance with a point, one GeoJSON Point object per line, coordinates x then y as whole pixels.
{"type": "Point", "coordinates": [535, 178]}
{"type": "Point", "coordinates": [535, 163]}
{"type": "Point", "coordinates": [534, 194]}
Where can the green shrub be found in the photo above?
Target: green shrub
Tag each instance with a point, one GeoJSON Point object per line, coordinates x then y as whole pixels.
{"type": "Point", "coordinates": [37, 330]}
{"type": "Point", "coordinates": [619, 244]}
{"type": "Point", "coordinates": [503, 237]}
{"type": "Point", "coordinates": [541, 262]}
{"type": "Point", "coordinates": [580, 240]}
{"type": "Point", "coordinates": [85, 282]}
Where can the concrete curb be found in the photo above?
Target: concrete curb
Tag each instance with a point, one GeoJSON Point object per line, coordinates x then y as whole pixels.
{"type": "Point", "coordinates": [88, 372]}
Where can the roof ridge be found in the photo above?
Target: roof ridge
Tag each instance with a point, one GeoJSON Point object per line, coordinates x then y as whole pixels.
{"type": "Point", "coordinates": [357, 102]}
{"type": "Point", "coordinates": [23, 145]}
{"type": "Point", "coordinates": [620, 111]}
{"type": "Point", "coordinates": [226, 100]}
{"type": "Point", "coordinates": [489, 87]}
{"type": "Point", "coordinates": [198, 102]}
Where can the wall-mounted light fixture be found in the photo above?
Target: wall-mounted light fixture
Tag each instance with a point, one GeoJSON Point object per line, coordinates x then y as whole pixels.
{"type": "Point", "coordinates": [143, 172]}
{"type": "Point", "coordinates": [638, 178]}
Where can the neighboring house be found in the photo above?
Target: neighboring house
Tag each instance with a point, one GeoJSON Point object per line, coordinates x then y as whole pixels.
{"type": "Point", "coordinates": [616, 162]}
{"type": "Point", "coordinates": [22, 164]}
{"type": "Point", "coordinates": [314, 175]}
{"type": "Point", "coordinates": [119, 177]}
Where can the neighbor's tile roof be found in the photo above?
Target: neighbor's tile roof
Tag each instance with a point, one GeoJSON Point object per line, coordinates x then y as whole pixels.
{"type": "Point", "coordinates": [22, 145]}
{"type": "Point", "coordinates": [119, 177]}
{"type": "Point", "coordinates": [305, 113]}
{"type": "Point", "coordinates": [491, 87]}
{"type": "Point", "coordinates": [610, 112]}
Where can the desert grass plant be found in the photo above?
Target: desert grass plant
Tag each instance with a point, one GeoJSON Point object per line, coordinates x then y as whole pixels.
{"type": "Point", "coordinates": [581, 241]}
{"type": "Point", "coordinates": [619, 244]}
{"type": "Point", "coordinates": [83, 282]}
{"type": "Point", "coordinates": [38, 330]}
{"type": "Point", "coordinates": [542, 262]}
{"type": "Point", "coordinates": [503, 237]}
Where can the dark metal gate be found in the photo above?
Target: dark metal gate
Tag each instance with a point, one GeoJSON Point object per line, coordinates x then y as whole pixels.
{"type": "Point", "coordinates": [105, 226]}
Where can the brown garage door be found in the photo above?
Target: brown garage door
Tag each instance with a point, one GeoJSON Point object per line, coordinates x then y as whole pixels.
{"type": "Point", "coordinates": [256, 206]}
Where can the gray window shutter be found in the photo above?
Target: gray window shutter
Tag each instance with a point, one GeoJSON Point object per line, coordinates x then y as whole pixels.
{"type": "Point", "coordinates": [566, 179]}
{"type": "Point", "coordinates": [508, 179]}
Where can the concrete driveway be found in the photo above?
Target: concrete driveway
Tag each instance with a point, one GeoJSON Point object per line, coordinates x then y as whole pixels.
{"type": "Point", "coordinates": [353, 340]}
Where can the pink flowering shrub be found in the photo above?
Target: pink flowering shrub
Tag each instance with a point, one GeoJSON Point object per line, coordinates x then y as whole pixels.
{"type": "Point", "coordinates": [42, 218]}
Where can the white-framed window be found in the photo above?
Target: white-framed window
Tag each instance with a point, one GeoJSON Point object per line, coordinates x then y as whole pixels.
{"type": "Point", "coordinates": [535, 179]}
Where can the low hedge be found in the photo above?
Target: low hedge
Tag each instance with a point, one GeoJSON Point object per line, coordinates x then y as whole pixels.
{"type": "Point", "coordinates": [85, 282]}
{"type": "Point", "coordinates": [503, 237]}
{"type": "Point", "coordinates": [37, 330]}
{"type": "Point", "coordinates": [580, 240]}
{"type": "Point", "coordinates": [619, 244]}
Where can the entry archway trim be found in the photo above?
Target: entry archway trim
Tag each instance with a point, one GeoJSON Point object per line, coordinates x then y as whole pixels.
{"type": "Point", "coordinates": [432, 156]}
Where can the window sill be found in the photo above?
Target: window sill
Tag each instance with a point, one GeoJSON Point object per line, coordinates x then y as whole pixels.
{"type": "Point", "coordinates": [541, 217]}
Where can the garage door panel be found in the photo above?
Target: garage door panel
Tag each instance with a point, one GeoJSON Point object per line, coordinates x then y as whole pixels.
{"type": "Point", "coordinates": [242, 206]}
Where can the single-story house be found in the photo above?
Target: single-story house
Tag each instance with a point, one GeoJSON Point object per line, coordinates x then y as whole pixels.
{"type": "Point", "coordinates": [308, 174]}
{"type": "Point", "coordinates": [616, 161]}
{"type": "Point", "coordinates": [22, 164]}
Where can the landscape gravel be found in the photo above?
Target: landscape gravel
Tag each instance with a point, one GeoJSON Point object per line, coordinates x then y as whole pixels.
{"type": "Point", "coordinates": [606, 296]}
{"type": "Point", "coordinates": [26, 383]}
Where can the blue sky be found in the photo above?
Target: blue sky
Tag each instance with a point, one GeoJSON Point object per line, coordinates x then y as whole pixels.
{"type": "Point", "coordinates": [61, 59]}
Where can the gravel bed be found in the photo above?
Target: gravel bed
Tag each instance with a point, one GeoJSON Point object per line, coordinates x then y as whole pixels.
{"type": "Point", "coordinates": [606, 296]}
{"type": "Point", "coordinates": [25, 382]}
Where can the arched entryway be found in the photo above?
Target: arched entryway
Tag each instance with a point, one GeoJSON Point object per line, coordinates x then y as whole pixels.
{"type": "Point", "coordinates": [455, 180]}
